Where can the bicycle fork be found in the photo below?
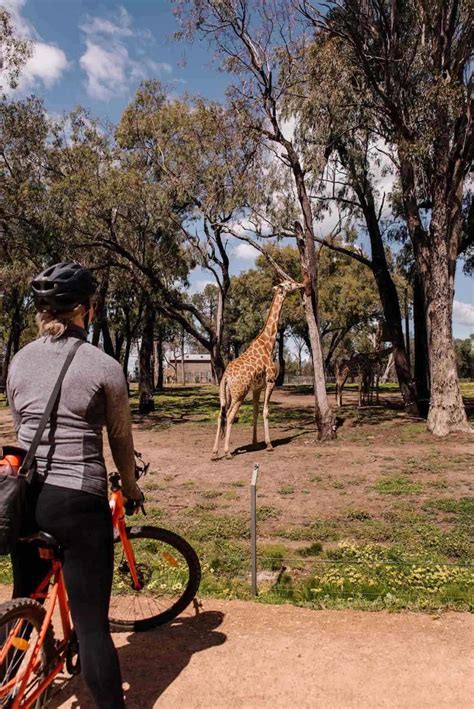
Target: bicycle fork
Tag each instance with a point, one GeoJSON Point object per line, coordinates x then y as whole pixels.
{"type": "Point", "coordinates": [118, 519]}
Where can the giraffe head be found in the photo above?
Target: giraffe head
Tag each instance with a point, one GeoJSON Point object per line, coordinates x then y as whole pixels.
{"type": "Point", "coordinates": [288, 286]}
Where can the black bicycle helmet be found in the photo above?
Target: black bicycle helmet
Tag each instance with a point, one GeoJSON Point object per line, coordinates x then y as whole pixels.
{"type": "Point", "coordinates": [63, 286]}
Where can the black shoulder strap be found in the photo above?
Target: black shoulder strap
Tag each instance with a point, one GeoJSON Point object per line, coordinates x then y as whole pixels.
{"type": "Point", "coordinates": [25, 468]}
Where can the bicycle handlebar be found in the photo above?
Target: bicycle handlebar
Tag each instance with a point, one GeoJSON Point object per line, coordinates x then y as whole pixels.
{"type": "Point", "coordinates": [141, 469]}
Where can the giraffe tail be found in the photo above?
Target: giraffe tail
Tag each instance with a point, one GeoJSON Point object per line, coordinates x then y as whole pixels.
{"type": "Point", "coordinates": [224, 396]}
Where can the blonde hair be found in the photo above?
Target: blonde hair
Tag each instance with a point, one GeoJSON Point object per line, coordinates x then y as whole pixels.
{"type": "Point", "coordinates": [55, 324]}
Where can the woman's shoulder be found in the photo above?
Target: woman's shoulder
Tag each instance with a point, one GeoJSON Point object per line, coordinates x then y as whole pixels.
{"type": "Point", "coordinates": [100, 359]}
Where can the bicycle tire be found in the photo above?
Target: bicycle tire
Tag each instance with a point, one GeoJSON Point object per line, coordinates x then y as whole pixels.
{"type": "Point", "coordinates": [33, 612]}
{"type": "Point", "coordinates": [191, 586]}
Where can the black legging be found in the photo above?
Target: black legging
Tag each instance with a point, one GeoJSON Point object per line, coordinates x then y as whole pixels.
{"type": "Point", "coordinates": [82, 524]}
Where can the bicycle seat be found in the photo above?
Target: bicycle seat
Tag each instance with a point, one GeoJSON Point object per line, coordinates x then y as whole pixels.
{"type": "Point", "coordinates": [42, 538]}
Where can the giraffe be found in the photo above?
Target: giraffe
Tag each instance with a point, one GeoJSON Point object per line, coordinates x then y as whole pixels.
{"type": "Point", "coordinates": [254, 370]}
{"type": "Point", "coordinates": [365, 367]}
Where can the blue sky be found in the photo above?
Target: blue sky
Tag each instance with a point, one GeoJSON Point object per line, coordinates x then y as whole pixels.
{"type": "Point", "coordinates": [95, 54]}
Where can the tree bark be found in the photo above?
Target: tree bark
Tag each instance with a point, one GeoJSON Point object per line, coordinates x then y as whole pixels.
{"type": "Point", "coordinates": [159, 361]}
{"type": "Point", "coordinates": [447, 413]}
{"type": "Point", "coordinates": [183, 365]}
{"type": "Point", "coordinates": [385, 285]}
{"type": "Point", "coordinates": [324, 416]}
{"type": "Point", "coordinates": [145, 382]}
{"type": "Point", "coordinates": [422, 366]}
{"type": "Point", "coordinates": [106, 337]}
{"type": "Point", "coordinates": [118, 345]}
{"type": "Point", "coordinates": [14, 335]}
{"type": "Point", "coordinates": [436, 253]}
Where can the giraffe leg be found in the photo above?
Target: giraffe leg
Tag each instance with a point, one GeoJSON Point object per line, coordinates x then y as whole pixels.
{"type": "Point", "coordinates": [268, 393]}
{"type": "Point", "coordinates": [256, 403]}
{"type": "Point", "coordinates": [231, 414]}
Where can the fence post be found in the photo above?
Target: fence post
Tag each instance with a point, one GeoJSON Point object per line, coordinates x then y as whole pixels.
{"type": "Point", "coordinates": [253, 525]}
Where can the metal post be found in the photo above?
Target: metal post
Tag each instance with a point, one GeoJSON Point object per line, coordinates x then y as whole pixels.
{"type": "Point", "coordinates": [253, 526]}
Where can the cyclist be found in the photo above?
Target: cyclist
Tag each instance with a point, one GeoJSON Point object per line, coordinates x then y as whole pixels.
{"type": "Point", "coordinates": [68, 497]}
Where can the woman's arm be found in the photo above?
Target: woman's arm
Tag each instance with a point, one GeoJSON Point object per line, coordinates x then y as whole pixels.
{"type": "Point", "coordinates": [11, 401]}
{"type": "Point", "coordinates": [119, 429]}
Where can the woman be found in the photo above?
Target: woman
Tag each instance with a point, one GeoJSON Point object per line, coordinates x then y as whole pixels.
{"type": "Point", "coordinates": [69, 494]}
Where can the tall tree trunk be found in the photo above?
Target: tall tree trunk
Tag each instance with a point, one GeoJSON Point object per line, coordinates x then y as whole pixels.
{"type": "Point", "coordinates": [217, 363]}
{"type": "Point", "coordinates": [183, 365]}
{"type": "Point", "coordinates": [106, 337]}
{"type": "Point", "coordinates": [447, 412]}
{"type": "Point", "coordinates": [128, 345]}
{"type": "Point", "coordinates": [422, 365]}
{"type": "Point", "coordinates": [324, 416]}
{"type": "Point", "coordinates": [14, 335]}
{"type": "Point", "coordinates": [100, 299]}
{"type": "Point", "coordinates": [385, 285]}
{"type": "Point", "coordinates": [281, 357]}
{"type": "Point", "coordinates": [118, 344]}
{"type": "Point", "coordinates": [145, 381]}
{"type": "Point", "coordinates": [159, 360]}
{"type": "Point", "coordinates": [436, 253]}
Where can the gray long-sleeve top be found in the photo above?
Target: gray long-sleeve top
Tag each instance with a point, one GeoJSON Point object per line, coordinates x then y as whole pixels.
{"type": "Point", "coordinates": [93, 395]}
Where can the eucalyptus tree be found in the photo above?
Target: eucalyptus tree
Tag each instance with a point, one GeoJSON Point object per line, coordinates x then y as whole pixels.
{"type": "Point", "coordinates": [14, 52]}
{"type": "Point", "coordinates": [24, 238]}
{"type": "Point", "coordinates": [334, 124]}
{"type": "Point", "coordinates": [249, 39]}
{"type": "Point", "coordinates": [210, 168]}
{"type": "Point", "coordinates": [415, 60]}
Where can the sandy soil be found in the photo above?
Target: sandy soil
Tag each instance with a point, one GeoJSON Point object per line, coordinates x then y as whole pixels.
{"type": "Point", "coordinates": [243, 655]}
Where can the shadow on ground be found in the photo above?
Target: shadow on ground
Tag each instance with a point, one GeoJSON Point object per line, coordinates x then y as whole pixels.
{"type": "Point", "coordinates": [152, 661]}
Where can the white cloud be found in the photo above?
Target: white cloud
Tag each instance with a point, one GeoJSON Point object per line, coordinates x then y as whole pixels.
{"type": "Point", "coordinates": [463, 313]}
{"type": "Point", "coordinates": [245, 251]}
{"type": "Point", "coordinates": [103, 25]}
{"type": "Point", "coordinates": [47, 62]}
{"type": "Point", "coordinates": [105, 70]}
{"type": "Point", "coordinates": [109, 66]}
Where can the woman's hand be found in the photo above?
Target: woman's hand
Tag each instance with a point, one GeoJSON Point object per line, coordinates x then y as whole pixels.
{"type": "Point", "coordinates": [133, 506]}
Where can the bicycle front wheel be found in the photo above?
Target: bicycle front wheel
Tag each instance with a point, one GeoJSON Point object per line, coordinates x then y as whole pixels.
{"type": "Point", "coordinates": [21, 621]}
{"type": "Point", "coordinates": [169, 572]}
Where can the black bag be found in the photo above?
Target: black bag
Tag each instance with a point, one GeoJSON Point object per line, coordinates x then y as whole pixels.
{"type": "Point", "coordinates": [13, 484]}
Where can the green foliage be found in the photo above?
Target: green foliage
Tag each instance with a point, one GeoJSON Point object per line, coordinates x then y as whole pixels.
{"type": "Point", "coordinates": [465, 357]}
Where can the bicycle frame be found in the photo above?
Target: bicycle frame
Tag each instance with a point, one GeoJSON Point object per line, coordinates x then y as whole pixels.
{"type": "Point", "coordinates": [118, 521]}
{"type": "Point", "coordinates": [56, 594]}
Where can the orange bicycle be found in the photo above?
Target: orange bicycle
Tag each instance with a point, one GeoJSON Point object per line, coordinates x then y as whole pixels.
{"type": "Point", "coordinates": [156, 576]}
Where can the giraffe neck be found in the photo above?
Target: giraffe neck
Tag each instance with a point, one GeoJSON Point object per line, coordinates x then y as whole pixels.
{"type": "Point", "coordinates": [269, 332]}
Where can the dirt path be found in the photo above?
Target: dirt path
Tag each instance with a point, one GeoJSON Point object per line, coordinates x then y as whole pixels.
{"type": "Point", "coordinates": [243, 655]}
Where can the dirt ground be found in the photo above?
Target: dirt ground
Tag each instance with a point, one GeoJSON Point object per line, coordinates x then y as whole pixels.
{"type": "Point", "coordinates": [241, 655]}
{"type": "Point", "coordinates": [238, 654]}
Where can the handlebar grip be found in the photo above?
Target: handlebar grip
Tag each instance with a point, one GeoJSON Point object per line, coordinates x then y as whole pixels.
{"type": "Point", "coordinates": [132, 506]}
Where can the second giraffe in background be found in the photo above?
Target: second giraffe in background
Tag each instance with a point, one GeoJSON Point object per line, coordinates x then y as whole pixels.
{"type": "Point", "coordinates": [366, 368]}
{"type": "Point", "coordinates": [254, 370]}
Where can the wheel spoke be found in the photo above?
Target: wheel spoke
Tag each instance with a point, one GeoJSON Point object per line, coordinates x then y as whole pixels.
{"type": "Point", "coordinates": [168, 571]}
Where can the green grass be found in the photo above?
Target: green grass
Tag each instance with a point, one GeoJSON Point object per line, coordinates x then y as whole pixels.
{"type": "Point", "coordinates": [462, 509]}
{"type": "Point", "coordinates": [265, 512]}
{"type": "Point", "coordinates": [286, 490]}
{"type": "Point", "coordinates": [397, 486]}
{"type": "Point", "coordinates": [200, 404]}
